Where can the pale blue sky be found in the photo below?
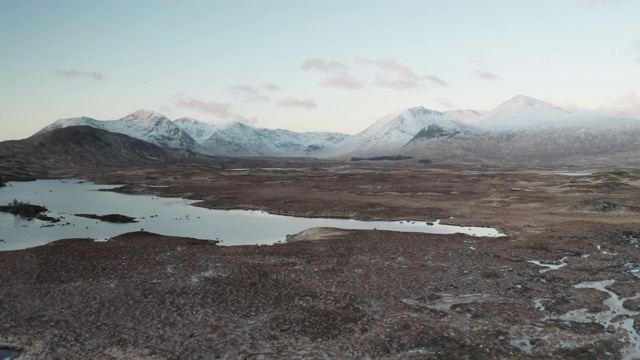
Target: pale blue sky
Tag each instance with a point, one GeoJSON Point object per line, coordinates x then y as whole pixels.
{"type": "Point", "coordinates": [310, 65]}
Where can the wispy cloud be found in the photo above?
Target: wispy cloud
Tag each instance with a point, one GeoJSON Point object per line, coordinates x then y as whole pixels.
{"type": "Point", "coordinates": [247, 92]}
{"type": "Point", "coordinates": [396, 75]}
{"type": "Point", "coordinates": [79, 74]}
{"type": "Point", "coordinates": [220, 110]}
{"type": "Point", "coordinates": [245, 120]}
{"type": "Point", "coordinates": [308, 104]}
{"type": "Point", "coordinates": [485, 75]}
{"type": "Point", "coordinates": [435, 79]}
{"type": "Point", "coordinates": [271, 87]}
{"type": "Point", "coordinates": [342, 82]}
{"type": "Point", "coordinates": [389, 65]}
{"type": "Point", "coordinates": [323, 66]}
{"type": "Point", "coordinates": [166, 110]}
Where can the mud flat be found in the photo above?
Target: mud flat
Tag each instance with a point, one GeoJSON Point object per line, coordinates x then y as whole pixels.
{"type": "Point", "coordinates": [349, 293]}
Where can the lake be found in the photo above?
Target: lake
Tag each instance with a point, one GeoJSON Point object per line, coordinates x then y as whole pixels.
{"type": "Point", "coordinates": [166, 216]}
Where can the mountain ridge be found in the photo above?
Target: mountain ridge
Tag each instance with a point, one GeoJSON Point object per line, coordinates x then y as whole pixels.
{"type": "Point", "coordinates": [521, 124]}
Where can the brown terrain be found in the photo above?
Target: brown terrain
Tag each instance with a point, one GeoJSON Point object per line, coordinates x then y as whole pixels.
{"type": "Point", "coordinates": [332, 293]}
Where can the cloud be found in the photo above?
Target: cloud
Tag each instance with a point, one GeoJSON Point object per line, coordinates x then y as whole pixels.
{"type": "Point", "coordinates": [323, 66]}
{"type": "Point", "coordinates": [342, 82]}
{"type": "Point", "coordinates": [306, 103]}
{"type": "Point", "coordinates": [397, 84]}
{"type": "Point", "coordinates": [271, 87]}
{"type": "Point", "coordinates": [389, 65]}
{"type": "Point", "coordinates": [78, 74]}
{"type": "Point", "coordinates": [247, 92]}
{"type": "Point", "coordinates": [624, 106]}
{"type": "Point", "coordinates": [166, 110]}
{"type": "Point", "coordinates": [245, 120]}
{"type": "Point", "coordinates": [214, 108]}
{"type": "Point", "coordinates": [220, 110]}
{"type": "Point", "coordinates": [630, 99]}
{"type": "Point", "coordinates": [485, 75]}
{"type": "Point", "coordinates": [435, 79]}
{"type": "Point", "coordinates": [395, 75]}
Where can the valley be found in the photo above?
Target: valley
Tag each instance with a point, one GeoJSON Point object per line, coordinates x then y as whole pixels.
{"type": "Point", "coordinates": [358, 293]}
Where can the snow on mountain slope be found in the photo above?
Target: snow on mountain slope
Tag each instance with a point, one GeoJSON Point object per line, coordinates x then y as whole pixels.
{"type": "Point", "coordinates": [395, 130]}
{"type": "Point", "coordinates": [238, 139]}
{"type": "Point", "coordinates": [525, 113]}
{"type": "Point", "coordinates": [80, 121]}
{"type": "Point", "coordinates": [155, 128]}
{"type": "Point", "coordinates": [198, 130]}
{"type": "Point", "coordinates": [145, 125]}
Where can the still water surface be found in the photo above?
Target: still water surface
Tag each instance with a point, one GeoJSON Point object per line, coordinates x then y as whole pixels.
{"type": "Point", "coordinates": [167, 216]}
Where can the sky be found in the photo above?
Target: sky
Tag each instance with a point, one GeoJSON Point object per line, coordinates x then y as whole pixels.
{"type": "Point", "coordinates": [307, 65]}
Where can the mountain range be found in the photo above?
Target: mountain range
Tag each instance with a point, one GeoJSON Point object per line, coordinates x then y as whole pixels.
{"type": "Point", "coordinates": [521, 130]}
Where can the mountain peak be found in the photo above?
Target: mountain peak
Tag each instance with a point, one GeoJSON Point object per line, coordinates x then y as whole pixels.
{"type": "Point", "coordinates": [522, 101]}
{"type": "Point", "coordinates": [144, 114]}
{"type": "Point", "coordinates": [523, 112]}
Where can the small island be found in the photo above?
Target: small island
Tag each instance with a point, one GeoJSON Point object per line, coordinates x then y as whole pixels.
{"type": "Point", "coordinates": [113, 218]}
{"type": "Point", "coordinates": [27, 211]}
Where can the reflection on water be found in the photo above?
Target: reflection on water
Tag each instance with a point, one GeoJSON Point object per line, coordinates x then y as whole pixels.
{"type": "Point", "coordinates": [167, 216]}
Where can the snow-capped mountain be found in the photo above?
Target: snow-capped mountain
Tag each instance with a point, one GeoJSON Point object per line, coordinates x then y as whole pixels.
{"type": "Point", "coordinates": [198, 130]}
{"type": "Point", "coordinates": [238, 139]}
{"type": "Point", "coordinates": [231, 139]}
{"type": "Point", "coordinates": [145, 125]}
{"type": "Point", "coordinates": [395, 130]}
{"type": "Point", "coordinates": [524, 113]}
{"type": "Point", "coordinates": [520, 130]}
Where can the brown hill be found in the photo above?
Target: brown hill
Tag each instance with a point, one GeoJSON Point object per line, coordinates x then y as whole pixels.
{"type": "Point", "coordinates": [79, 147]}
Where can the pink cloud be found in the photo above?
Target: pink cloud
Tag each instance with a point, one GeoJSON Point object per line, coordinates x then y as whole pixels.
{"type": "Point", "coordinates": [247, 92]}
{"type": "Point", "coordinates": [211, 107]}
{"type": "Point", "coordinates": [306, 103]}
{"type": "Point", "coordinates": [342, 82]}
{"type": "Point", "coordinates": [624, 106]}
{"type": "Point", "coordinates": [485, 75]}
{"type": "Point", "coordinates": [396, 75]}
{"type": "Point", "coordinates": [75, 74]}
{"type": "Point", "coordinates": [389, 64]}
{"type": "Point", "coordinates": [322, 65]}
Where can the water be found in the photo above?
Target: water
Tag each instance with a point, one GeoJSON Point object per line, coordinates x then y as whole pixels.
{"type": "Point", "coordinates": [167, 216]}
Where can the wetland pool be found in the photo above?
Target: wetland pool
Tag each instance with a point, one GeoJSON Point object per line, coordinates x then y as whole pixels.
{"type": "Point", "coordinates": [166, 216]}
